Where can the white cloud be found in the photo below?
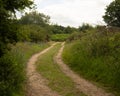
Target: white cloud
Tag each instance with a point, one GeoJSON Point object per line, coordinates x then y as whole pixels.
{"type": "Point", "coordinates": [73, 12]}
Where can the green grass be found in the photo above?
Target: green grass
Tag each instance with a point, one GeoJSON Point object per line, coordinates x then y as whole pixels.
{"type": "Point", "coordinates": [57, 80]}
{"type": "Point", "coordinates": [59, 37]}
{"type": "Point", "coordinates": [27, 49]}
{"type": "Point", "coordinates": [13, 66]}
{"type": "Point", "coordinates": [96, 56]}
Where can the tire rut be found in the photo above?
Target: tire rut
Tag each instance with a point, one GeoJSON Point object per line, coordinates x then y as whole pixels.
{"type": "Point", "coordinates": [36, 84]}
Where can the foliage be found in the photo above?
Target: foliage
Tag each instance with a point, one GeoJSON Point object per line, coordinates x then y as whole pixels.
{"type": "Point", "coordinates": [58, 29]}
{"type": "Point", "coordinates": [69, 30]}
{"type": "Point", "coordinates": [59, 37]}
{"type": "Point", "coordinates": [85, 27]}
{"type": "Point", "coordinates": [11, 6]}
{"type": "Point", "coordinates": [33, 33]}
{"type": "Point", "coordinates": [74, 36]}
{"type": "Point", "coordinates": [10, 75]}
{"type": "Point", "coordinates": [8, 34]}
{"type": "Point", "coordinates": [12, 68]}
{"type": "Point", "coordinates": [35, 18]}
{"type": "Point", "coordinates": [96, 57]}
{"type": "Point", "coordinates": [8, 28]}
{"type": "Point", "coordinates": [24, 33]}
{"type": "Point", "coordinates": [112, 15]}
{"type": "Point", "coordinates": [34, 27]}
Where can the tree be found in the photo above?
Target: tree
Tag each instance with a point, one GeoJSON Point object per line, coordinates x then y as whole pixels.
{"type": "Point", "coordinates": [57, 29]}
{"type": "Point", "coordinates": [85, 27]}
{"type": "Point", "coordinates": [35, 18]}
{"type": "Point", "coordinates": [10, 76]}
{"type": "Point", "coordinates": [68, 29]}
{"type": "Point", "coordinates": [8, 26]}
{"type": "Point", "coordinates": [34, 27]}
{"type": "Point", "coordinates": [112, 14]}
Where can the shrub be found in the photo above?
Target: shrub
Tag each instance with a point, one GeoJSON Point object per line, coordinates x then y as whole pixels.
{"type": "Point", "coordinates": [12, 68]}
{"type": "Point", "coordinates": [96, 56]}
{"type": "Point", "coordinates": [11, 75]}
{"type": "Point", "coordinates": [33, 33]}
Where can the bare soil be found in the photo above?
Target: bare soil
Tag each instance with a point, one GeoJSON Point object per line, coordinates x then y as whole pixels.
{"type": "Point", "coordinates": [36, 84]}
{"type": "Point", "coordinates": [83, 85]}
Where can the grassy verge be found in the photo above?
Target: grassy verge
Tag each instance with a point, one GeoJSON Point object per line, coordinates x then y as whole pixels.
{"type": "Point", "coordinates": [96, 57]}
{"type": "Point", "coordinates": [58, 81]}
{"type": "Point", "coordinates": [13, 66]}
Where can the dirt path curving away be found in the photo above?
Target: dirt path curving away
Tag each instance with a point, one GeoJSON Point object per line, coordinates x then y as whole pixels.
{"type": "Point", "coordinates": [83, 85]}
{"type": "Point", "coordinates": [36, 84]}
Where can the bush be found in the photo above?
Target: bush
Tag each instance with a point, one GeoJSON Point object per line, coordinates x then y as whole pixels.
{"type": "Point", "coordinates": [74, 36]}
{"type": "Point", "coordinates": [96, 56]}
{"type": "Point", "coordinates": [33, 33]}
{"type": "Point", "coordinates": [12, 68]}
{"type": "Point", "coordinates": [11, 75]}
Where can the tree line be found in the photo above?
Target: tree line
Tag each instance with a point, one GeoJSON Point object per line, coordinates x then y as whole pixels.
{"type": "Point", "coordinates": [11, 28]}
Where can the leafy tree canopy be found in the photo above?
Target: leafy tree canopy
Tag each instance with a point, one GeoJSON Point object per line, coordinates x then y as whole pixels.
{"type": "Point", "coordinates": [35, 18]}
{"type": "Point", "coordinates": [112, 14]}
{"type": "Point", "coordinates": [8, 28]}
{"type": "Point", "coordinates": [7, 7]}
{"type": "Point", "coordinates": [85, 27]}
{"type": "Point", "coordinates": [58, 29]}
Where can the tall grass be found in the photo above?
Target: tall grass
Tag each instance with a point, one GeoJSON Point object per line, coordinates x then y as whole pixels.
{"type": "Point", "coordinates": [12, 68]}
{"type": "Point", "coordinates": [96, 56]}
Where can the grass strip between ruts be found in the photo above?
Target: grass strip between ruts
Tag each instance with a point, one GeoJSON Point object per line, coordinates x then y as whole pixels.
{"type": "Point", "coordinates": [57, 80]}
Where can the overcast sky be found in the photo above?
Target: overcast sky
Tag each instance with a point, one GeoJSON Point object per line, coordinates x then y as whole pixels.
{"type": "Point", "coordinates": [73, 12]}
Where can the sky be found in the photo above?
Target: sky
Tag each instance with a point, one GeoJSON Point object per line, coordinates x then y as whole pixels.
{"type": "Point", "coordinates": [73, 12]}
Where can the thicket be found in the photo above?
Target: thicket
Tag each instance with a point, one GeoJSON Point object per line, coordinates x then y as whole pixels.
{"type": "Point", "coordinates": [12, 68]}
{"type": "Point", "coordinates": [34, 27]}
{"type": "Point", "coordinates": [58, 29]}
{"type": "Point", "coordinates": [96, 56]}
{"type": "Point", "coordinates": [8, 26]}
{"type": "Point", "coordinates": [33, 33]}
{"type": "Point", "coordinates": [10, 75]}
{"type": "Point", "coordinates": [84, 27]}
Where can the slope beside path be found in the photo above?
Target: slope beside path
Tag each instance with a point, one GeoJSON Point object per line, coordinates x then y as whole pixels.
{"type": "Point", "coordinates": [83, 85]}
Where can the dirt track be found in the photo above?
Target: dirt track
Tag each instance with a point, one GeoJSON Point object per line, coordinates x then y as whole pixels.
{"type": "Point", "coordinates": [36, 84]}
